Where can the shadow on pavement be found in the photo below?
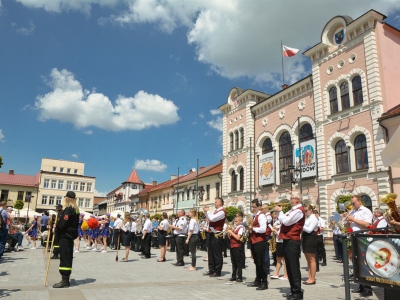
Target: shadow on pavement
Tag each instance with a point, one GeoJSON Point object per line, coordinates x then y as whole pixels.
{"type": "Point", "coordinates": [82, 281]}
{"type": "Point", "coordinates": [4, 273]}
{"type": "Point", "coordinates": [5, 293]}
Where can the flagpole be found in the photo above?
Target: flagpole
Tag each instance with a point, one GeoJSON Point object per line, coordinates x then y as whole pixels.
{"type": "Point", "coordinates": [283, 70]}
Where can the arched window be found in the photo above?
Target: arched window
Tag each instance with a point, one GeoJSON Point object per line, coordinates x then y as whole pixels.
{"type": "Point", "coordinates": [233, 182]}
{"type": "Point", "coordinates": [236, 139]}
{"type": "Point", "coordinates": [285, 156]}
{"type": "Point", "coordinates": [344, 95]}
{"type": "Point", "coordinates": [241, 179]}
{"type": "Point", "coordinates": [241, 138]}
{"type": "Point", "coordinates": [342, 162]}
{"type": "Point", "coordinates": [357, 90]}
{"type": "Point", "coordinates": [267, 146]}
{"type": "Point", "coordinates": [367, 202]}
{"type": "Point", "coordinates": [231, 141]}
{"type": "Point", "coordinates": [360, 148]}
{"type": "Point", "coordinates": [306, 133]}
{"type": "Point", "coordinates": [333, 100]}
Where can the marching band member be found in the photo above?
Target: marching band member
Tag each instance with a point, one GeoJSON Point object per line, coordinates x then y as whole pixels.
{"type": "Point", "coordinates": [172, 238]}
{"type": "Point", "coordinates": [162, 233]}
{"type": "Point", "coordinates": [291, 228]}
{"type": "Point", "coordinates": [192, 238]}
{"type": "Point", "coordinates": [117, 231]}
{"type": "Point", "coordinates": [320, 237]}
{"type": "Point", "coordinates": [280, 253]}
{"type": "Point", "coordinates": [337, 242]}
{"type": "Point", "coordinates": [146, 237]}
{"type": "Point", "coordinates": [360, 218]}
{"type": "Point", "coordinates": [216, 223]}
{"type": "Point", "coordinates": [126, 235]}
{"type": "Point", "coordinates": [310, 243]}
{"type": "Point", "coordinates": [180, 229]}
{"type": "Point", "coordinates": [236, 249]}
{"type": "Point", "coordinates": [133, 234]}
{"type": "Point", "coordinates": [267, 213]}
{"type": "Point", "coordinates": [379, 220]}
{"type": "Point", "coordinates": [240, 214]}
{"type": "Point", "coordinates": [258, 246]}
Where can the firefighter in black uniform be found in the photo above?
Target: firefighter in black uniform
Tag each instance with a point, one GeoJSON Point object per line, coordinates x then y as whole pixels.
{"type": "Point", "coordinates": [67, 229]}
{"type": "Point", "coordinates": [56, 247]}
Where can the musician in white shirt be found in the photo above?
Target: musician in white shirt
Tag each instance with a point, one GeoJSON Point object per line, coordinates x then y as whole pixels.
{"type": "Point", "coordinates": [310, 243]}
{"type": "Point", "coordinates": [162, 236]}
{"type": "Point", "coordinates": [179, 233]}
{"type": "Point", "coordinates": [126, 235]}
{"type": "Point", "coordinates": [192, 238]}
{"type": "Point", "coordinates": [117, 231]}
{"type": "Point", "coordinates": [320, 238]}
{"type": "Point", "coordinates": [146, 237]}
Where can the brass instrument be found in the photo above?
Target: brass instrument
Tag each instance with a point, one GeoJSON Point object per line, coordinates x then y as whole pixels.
{"type": "Point", "coordinates": [246, 235]}
{"type": "Point", "coordinates": [391, 213]}
{"type": "Point", "coordinates": [342, 224]}
{"type": "Point", "coordinates": [272, 242]}
{"type": "Point", "coordinates": [230, 226]}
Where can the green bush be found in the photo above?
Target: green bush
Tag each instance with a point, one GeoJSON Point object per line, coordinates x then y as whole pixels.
{"type": "Point", "coordinates": [343, 199]}
{"type": "Point", "coordinates": [231, 212]}
{"type": "Point", "coordinates": [19, 204]}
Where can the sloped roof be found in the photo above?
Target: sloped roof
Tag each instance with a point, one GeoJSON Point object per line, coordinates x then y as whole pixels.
{"type": "Point", "coordinates": [216, 170]}
{"type": "Point", "coordinates": [395, 111]}
{"type": "Point", "coordinates": [19, 179]}
{"type": "Point", "coordinates": [114, 190]}
{"type": "Point", "coordinates": [134, 178]}
{"type": "Point", "coordinates": [202, 172]}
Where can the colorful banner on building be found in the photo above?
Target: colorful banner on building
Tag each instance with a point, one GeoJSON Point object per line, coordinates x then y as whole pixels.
{"type": "Point", "coordinates": [376, 259]}
{"type": "Point", "coordinates": [266, 166]}
{"type": "Point", "coordinates": [308, 164]}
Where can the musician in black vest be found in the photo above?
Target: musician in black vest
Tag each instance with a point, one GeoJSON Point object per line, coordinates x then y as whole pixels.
{"type": "Point", "coordinates": [216, 224]}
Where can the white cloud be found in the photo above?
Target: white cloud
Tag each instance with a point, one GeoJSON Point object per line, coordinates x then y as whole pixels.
{"type": "Point", "coordinates": [215, 112]}
{"type": "Point", "coordinates": [150, 165]}
{"type": "Point", "coordinates": [25, 31]}
{"type": "Point", "coordinates": [74, 155]}
{"type": "Point", "coordinates": [68, 102]}
{"type": "Point", "coordinates": [201, 115]}
{"type": "Point", "coordinates": [66, 5]}
{"type": "Point", "coordinates": [235, 40]}
{"type": "Point", "coordinates": [99, 194]}
{"type": "Point", "coordinates": [1, 136]}
{"type": "Point", "coordinates": [216, 124]}
{"type": "Point", "coordinates": [88, 132]}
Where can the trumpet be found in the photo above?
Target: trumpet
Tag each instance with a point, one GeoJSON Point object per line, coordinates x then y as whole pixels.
{"type": "Point", "coordinates": [343, 222]}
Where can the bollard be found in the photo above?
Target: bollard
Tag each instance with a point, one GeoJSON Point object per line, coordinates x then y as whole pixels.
{"type": "Point", "coordinates": [345, 267]}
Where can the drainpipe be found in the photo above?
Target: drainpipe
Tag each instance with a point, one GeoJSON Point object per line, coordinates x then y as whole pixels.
{"type": "Point", "coordinates": [390, 168]}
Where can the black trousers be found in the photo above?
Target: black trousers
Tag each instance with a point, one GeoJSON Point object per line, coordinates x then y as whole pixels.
{"type": "Point", "coordinates": [115, 239]}
{"type": "Point", "coordinates": [215, 259]}
{"type": "Point", "coordinates": [173, 243]}
{"type": "Point", "coordinates": [338, 246]}
{"type": "Point", "coordinates": [292, 260]}
{"type": "Point", "coordinates": [192, 246]}
{"type": "Point", "coordinates": [66, 256]}
{"type": "Point", "coordinates": [258, 251]}
{"type": "Point", "coordinates": [321, 248]}
{"type": "Point", "coordinates": [243, 255]}
{"type": "Point", "coordinates": [180, 248]}
{"type": "Point", "coordinates": [56, 247]}
{"type": "Point", "coordinates": [236, 259]}
{"type": "Point", "coordinates": [147, 245]}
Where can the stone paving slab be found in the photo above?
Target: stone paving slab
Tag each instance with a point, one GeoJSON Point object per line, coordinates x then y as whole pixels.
{"type": "Point", "coordinates": [97, 276]}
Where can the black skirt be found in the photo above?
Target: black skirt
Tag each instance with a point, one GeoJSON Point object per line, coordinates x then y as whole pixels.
{"type": "Point", "coordinates": [126, 238]}
{"type": "Point", "coordinates": [309, 242]}
{"type": "Point", "coordinates": [162, 237]}
{"type": "Point", "coordinates": [280, 251]}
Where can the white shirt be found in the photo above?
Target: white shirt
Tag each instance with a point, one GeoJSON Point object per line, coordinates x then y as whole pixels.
{"type": "Point", "coordinates": [219, 214]}
{"type": "Point", "coordinates": [193, 225]}
{"type": "Point", "coordinates": [164, 225]}
{"type": "Point", "coordinates": [262, 222]}
{"type": "Point", "coordinates": [382, 223]}
{"type": "Point", "coordinates": [182, 224]}
{"type": "Point", "coordinates": [240, 232]}
{"type": "Point", "coordinates": [204, 226]}
{"type": "Point", "coordinates": [336, 230]}
{"type": "Point", "coordinates": [127, 227]}
{"type": "Point", "coordinates": [269, 218]}
{"type": "Point", "coordinates": [310, 224]}
{"type": "Point", "coordinates": [363, 214]}
{"type": "Point", "coordinates": [148, 226]}
{"type": "Point", "coordinates": [278, 225]}
{"type": "Point", "coordinates": [133, 227]}
{"type": "Point", "coordinates": [118, 224]}
{"type": "Point", "coordinates": [321, 224]}
{"type": "Point", "coordinates": [292, 216]}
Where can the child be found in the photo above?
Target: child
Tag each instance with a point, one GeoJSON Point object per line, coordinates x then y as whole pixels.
{"type": "Point", "coordinates": [236, 249]}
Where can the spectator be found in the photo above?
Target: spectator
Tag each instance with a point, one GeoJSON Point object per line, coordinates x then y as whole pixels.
{"type": "Point", "coordinates": [3, 232]}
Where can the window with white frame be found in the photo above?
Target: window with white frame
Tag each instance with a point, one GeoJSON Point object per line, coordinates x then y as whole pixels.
{"type": "Point", "coordinates": [341, 155]}
{"type": "Point", "coordinates": [53, 183]}
{"type": "Point", "coordinates": [241, 179]}
{"type": "Point", "coordinates": [44, 200]}
{"type": "Point", "coordinates": [357, 90]}
{"type": "Point", "coordinates": [361, 153]}
{"type": "Point", "coordinates": [80, 202]}
{"type": "Point", "coordinates": [231, 141]}
{"type": "Point", "coordinates": [60, 184]}
{"type": "Point", "coordinates": [51, 200]}
{"type": "Point", "coordinates": [285, 156]}
{"type": "Point", "coordinates": [54, 169]}
{"type": "Point", "coordinates": [76, 171]}
{"type": "Point", "coordinates": [236, 139]}
{"type": "Point", "coordinates": [69, 185]}
{"type": "Point", "coordinates": [75, 186]}
{"type": "Point", "coordinates": [207, 191]}
{"type": "Point", "coordinates": [69, 170]}
{"type": "Point", "coordinates": [89, 187]}
{"type": "Point", "coordinates": [82, 186]}
{"type": "Point", "coordinates": [233, 181]}
{"type": "Point", "coordinates": [61, 170]}
{"type": "Point", "coordinates": [333, 100]}
{"type": "Point", "coordinates": [58, 200]}
{"type": "Point", "coordinates": [87, 203]}
{"type": "Point", "coordinates": [46, 183]}
{"type": "Point", "coordinates": [241, 137]}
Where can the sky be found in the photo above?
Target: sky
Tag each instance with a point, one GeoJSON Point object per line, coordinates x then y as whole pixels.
{"type": "Point", "coordinates": [123, 84]}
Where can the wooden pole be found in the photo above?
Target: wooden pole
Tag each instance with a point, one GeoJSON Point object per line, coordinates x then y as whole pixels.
{"type": "Point", "coordinates": [51, 250]}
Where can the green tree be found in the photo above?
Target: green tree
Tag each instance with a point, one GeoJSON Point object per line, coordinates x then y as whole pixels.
{"type": "Point", "coordinates": [19, 204]}
{"type": "Point", "coordinates": [1, 161]}
{"type": "Point", "coordinates": [343, 199]}
{"type": "Point", "coordinates": [231, 212]}
{"type": "Point", "coordinates": [158, 216]}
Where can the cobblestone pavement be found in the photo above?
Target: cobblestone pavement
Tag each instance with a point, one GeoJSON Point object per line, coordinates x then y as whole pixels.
{"type": "Point", "coordinates": [97, 275]}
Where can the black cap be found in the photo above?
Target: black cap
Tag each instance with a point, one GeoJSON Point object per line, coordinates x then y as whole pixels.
{"type": "Point", "coordinates": [118, 215]}
{"type": "Point", "coordinates": [70, 194]}
{"type": "Point", "coordinates": [59, 206]}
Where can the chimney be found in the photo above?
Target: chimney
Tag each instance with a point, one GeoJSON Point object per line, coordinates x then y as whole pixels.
{"type": "Point", "coordinates": [201, 168]}
{"type": "Point", "coordinates": [173, 177]}
{"type": "Point", "coordinates": [284, 86]}
{"type": "Point", "coordinates": [11, 172]}
{"type": "Point", "coordinates": [154, 182]}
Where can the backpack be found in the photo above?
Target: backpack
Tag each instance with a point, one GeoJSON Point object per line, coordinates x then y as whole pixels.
{"type": "Point", "coordinates": [3, 224]}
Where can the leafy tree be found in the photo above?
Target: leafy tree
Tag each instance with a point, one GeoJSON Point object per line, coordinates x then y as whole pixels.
{"type": "Point", "coordinates": [285, 207]}
{"type": "Point", "coordinates": [158, 216]}
{"type": "Point", "coordinates": [231, 212]}
{"type": "Point", "coordinates": [343, 199]}
{"type": "Point", "coordinates": [1, 161]}
{"type": "Point", "coordinates": [19, 204]}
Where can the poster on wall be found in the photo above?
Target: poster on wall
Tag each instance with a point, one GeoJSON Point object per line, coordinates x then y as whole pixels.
{"type": "Point", "coordinates": [266, 166]}
{"type": "Point", "coordinates": [376, 259]}
{"type": "Point", "coordinates": [308, 164]}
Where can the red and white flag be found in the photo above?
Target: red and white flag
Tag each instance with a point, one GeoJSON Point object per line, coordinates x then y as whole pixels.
{"type": "Point", "coordinates": [289, 52]}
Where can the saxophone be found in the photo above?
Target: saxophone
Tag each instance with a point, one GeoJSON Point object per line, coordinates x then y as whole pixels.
{"type": "Point", "coordinates": [272, 243]}
{"type": "Point", "coordinates": [203, 231]}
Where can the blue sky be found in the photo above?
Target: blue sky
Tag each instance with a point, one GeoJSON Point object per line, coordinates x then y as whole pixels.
{"type": "Point", "coordinates": [123, 83]}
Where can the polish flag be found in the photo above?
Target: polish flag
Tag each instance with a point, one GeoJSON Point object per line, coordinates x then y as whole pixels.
{"type": "Point", "coordinates": [289, 52]}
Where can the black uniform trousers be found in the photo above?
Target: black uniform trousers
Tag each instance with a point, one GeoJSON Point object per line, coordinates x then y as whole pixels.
{"type": "Point", "coordinates": [180, 248]}
{"type": "Point", "coordinates": [115, 239]}
{"type": "Point", "coordinates": [292, 260]}
{"type": "Point", "coordinates": [258, 251]}
{"type": "Point", "coordinates": [56, 247]}
{"type": "Point", "coordinates": [147, 245]}
{"type": "Point", "coordinates": [337, 241]}
{"type": "Point", "coordinates": [192, 246]}
{"type": "Point", "coordinates": [172, 243]}
{"type": "Point", "coordinates": [321, 248]}
{"type": "Point", "coordinates": [66, 256]}
{"type": "Point", "coordinates": [236, 259]}
{"type": "Point", "coordinates": [215, 259]}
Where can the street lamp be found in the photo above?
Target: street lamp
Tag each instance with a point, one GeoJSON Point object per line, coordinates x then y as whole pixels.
{"type": "Point", "coordinates": [294, 174]}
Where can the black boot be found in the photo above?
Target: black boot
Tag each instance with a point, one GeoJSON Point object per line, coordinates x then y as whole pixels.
{"type": "Point", "coordinates": [54, 257]}
{"type": "Point", "coordinates": [64, 283]}
{"type": "Point", "coordinates": [263, 286]}
{"type": "Point", "coordinates": [255, 283]}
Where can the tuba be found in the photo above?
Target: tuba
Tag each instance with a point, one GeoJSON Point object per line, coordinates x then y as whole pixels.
{"type": "Point", "coordinates": [391, 213]}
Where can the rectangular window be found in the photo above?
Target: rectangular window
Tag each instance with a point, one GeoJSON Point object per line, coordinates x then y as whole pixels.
{"type": "Point", "coordinates": [58, 201]}
{"type": "Point", "coordinates": [51, 201]}
{"type": "Point", "coordinates": [54, 169]}
{"type": "Point", "coordinates": [75, 186]}
{"type": "Point", "coordinates": [68, 170]}
{"type": "Point", "coordinates": [76, 171]}
{"type": "Point", "coordinates": [60, 184]}
{"type": "Point", "coordinates": [89, 187]}
{"type": "Point", "coordinates": [61, 170]}
{"type": "Point", "coordinates": [217, 189]}
{"type": "Point", "coordinates": [201, 192]}
{"type": "Point", "coordinates": [44, 200]}
{"type": "Point", "coordinates": [46, 183]}
{"type": "Point", "coordinates": [69, 185]}
{"type": "Point", "coordinates": [207, 191]}
{"type": "Point", "coordinates": [20, 195]}
{"type": "Point", "coordinates": [53, 183]}
{"type": "Point", "coordinates": [82, 186]}
{"type": "Point", "coordinates": [87, 203]}
{"type": "Point", "coordinates": [80, 202]}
